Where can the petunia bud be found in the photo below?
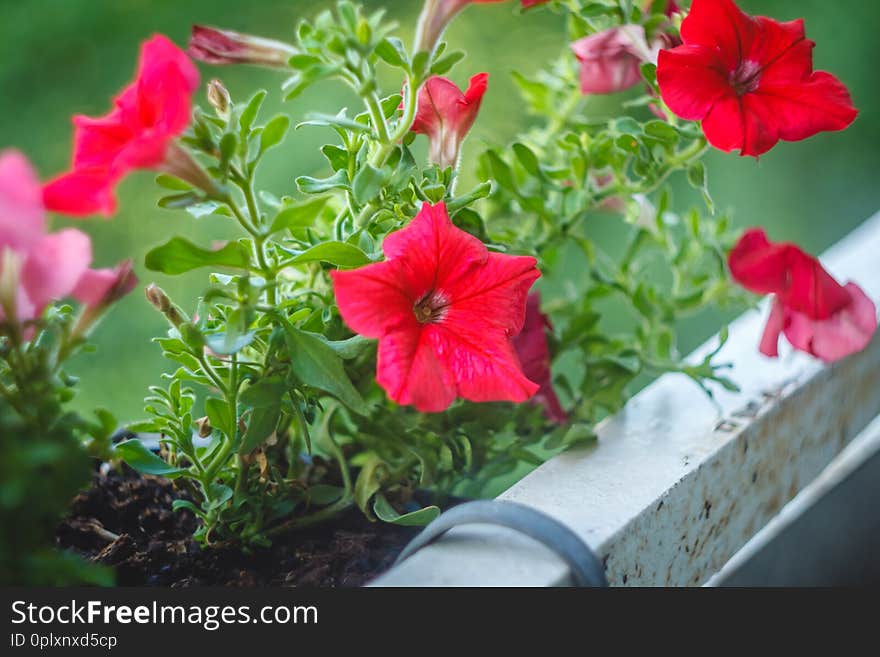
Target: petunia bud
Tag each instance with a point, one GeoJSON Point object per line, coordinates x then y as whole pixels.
{"type": "Point", "coordinates": [446, 115]}
{"type": "Point", "coordinates": [156, 296]}
{"type": "Point", "coordinates": [215, 46]}
{"type": "Point", "coordinates": [179, 163]}
{"type": "Point", "coordinates": [611, 60]}
{"type": "Point", "coordinates": [219, 97]}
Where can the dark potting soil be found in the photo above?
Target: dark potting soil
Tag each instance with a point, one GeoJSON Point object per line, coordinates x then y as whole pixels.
{"type": "Point", "coordinates": [124, 520]}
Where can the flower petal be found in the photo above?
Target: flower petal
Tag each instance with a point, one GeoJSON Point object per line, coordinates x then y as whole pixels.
{"type": "Point", "coordinates": [484, 370]}
{"type": "Point", "coordinates": [371, 300]}
{"type": "Point", "coordinates": [796, 111]}
{"type": "Point", "coordinates": [721, 25]}
{"type": "Point", "coordinates": [434, 253]}
{"type": "Point", "coordinates": [22, 217]}
{"type": "Point", "coordinates": [81, 192]}
{"type": "Point", "coordinates": [410, 371]}
{"type": "Point", "coordinates": [495, 299]}
{"type": "Point", "coordinates": [534, 357]}
{"type": "Point", "coordinates": [691, 80]}
{"type": "Point", "coordinates": [757, 264]}
{"type": "Point", "coordinates": [775, 324]}
{"type": "Point", "coordinates": [55, 265]}
{"type": "Point", "coordinates": [846, 332]}
{"type": "Point", "coordinates": [611, 59]}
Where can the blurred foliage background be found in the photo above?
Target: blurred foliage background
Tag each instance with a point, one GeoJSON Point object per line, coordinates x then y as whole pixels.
{"type": "Point", "coordinates": [60, 57]}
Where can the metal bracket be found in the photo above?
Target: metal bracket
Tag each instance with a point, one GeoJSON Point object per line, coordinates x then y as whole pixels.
{"type": "Point", "coordinates": [586, 568]}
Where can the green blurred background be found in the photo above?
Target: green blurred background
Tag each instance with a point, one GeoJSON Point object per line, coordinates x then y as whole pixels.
{"type": "Point", "coordinates": [60, 57]}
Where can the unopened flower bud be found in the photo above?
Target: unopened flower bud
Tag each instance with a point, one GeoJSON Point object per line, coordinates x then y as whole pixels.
{"type": "Point", "coordinates": [214, 46]}
{"type": "Point", "coordinates": [219, 98]}
{"type": "Point", "coordinates": [156, 296]}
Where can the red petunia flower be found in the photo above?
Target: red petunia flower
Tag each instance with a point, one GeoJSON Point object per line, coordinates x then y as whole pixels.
{"type": "Point", "coordinates": [750, 80]}
{"type": "Point", "coordinates": [444, 310]}
{"type": "Point", "coordinates": [816, 313]}
{"type": "Point", "coordinates": [137, 134]}
{"type": "Point", "coordinates": [534, 356]}
{"type": "Point", "coordinates": [446, 115]}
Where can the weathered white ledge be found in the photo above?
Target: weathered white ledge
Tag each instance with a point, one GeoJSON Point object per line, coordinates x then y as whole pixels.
{"type": "Point", "coordinates": [677, 484]}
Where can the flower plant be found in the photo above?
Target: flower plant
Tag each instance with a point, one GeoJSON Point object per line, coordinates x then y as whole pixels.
{"type": "Point", "coordinates": [378, 333]}
{"type": "Point", "coordinates": [45, 445]}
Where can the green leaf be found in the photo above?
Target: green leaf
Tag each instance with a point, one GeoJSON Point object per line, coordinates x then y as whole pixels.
{"type": "Point", "coordinates": [144, 461]}
{"type": "Point", "coordinates": [392, 51]}
{"type": "Point", "coordinates": [351, 348]}
{"type": "Point", "coordinates": [309, 185]}
{"type": "Point", "coordinates": [331, 121]}
{"type": "Point", "coordinates": [220, 495]}
{"type": "Point", "coordinates": [220, 416]}
{"type": "Point", "coordinates": [369, 482]}
{"type": "Point", "coordinates": [299, 215]}
{"type": "Point", "coordinates": [316, 364]}
{"type": "Point", "coordinates": [500, 170]}
{"type": "Point", "coordinates": [179, 201]}
{"type": "Point", "coordinates": [173, 183]}
{"type": "Point", "coordinates": [367, 183]}
{"type": "Point", "coordinates": [274, 132]}
{"type": "Point", "coordinates": [341, 254]}
{"type": "Point", "coordinates": [176, 505]}
{"type": "Point", "coordinates": [386, 513]}
{"type": "Point", "coordinates": [480, 191]}
{"type": "Point", "coordinates": [528, 159]}
{"type": "Point", "coordinates": [447, 62]}
{"type": "Point", "coordinates": [696, 175]}
{"type": "Point", "coordinates": [662, 131]}
{"type": "Point", "coordinates": [321, 494]}
{"type": "Point", "coordinates": [249, 113]}
{"type": "Point", "coordinates": [229, 342]}
{"type": "Point", "coordinates": [336, 156]}
{"type": "Point", "coordinates": [178, 256]}
{"type": "Point", "coordinates": [263, 393]}
{"type": "Point", "coordinates": [261, 423]}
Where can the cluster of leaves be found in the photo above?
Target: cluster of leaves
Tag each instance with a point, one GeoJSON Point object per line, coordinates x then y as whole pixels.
{"type": "Point", "coordinates": [555, 189]}
{"type": "Point", "coordinates": [293, 427]}
{"type": "Point", "coordinates": [45, 463]}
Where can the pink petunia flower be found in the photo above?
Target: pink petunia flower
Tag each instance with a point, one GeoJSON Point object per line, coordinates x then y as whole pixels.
{"type": "Point", "coordinates": [37, 268]}
{"type": "Point", "coordinates": [750, 80]}
{"type": "Point", "coordinates": [816, 313]}
{"type": "Point", "coordinates": [611, 60]}
{"type": "Point", "coordinates": [534, 356]}
{"type": "Point", "coordinates": [444, 310]}
{"type": "Point", "coordinates": [445, 115]}
{"type": "Point", "coordinates": [138, 133]}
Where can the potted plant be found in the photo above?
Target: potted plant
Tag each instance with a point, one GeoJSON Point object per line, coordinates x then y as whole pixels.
{"type": "Point", "coordinates": [378, 340]}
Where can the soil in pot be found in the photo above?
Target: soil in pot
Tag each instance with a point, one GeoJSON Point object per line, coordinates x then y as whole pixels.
{"type": "Point", "coordinates": [124, 520]}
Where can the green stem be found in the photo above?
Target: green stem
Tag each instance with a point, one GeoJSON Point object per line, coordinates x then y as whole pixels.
{"type": "Point", "coordinates": [374, 107]}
